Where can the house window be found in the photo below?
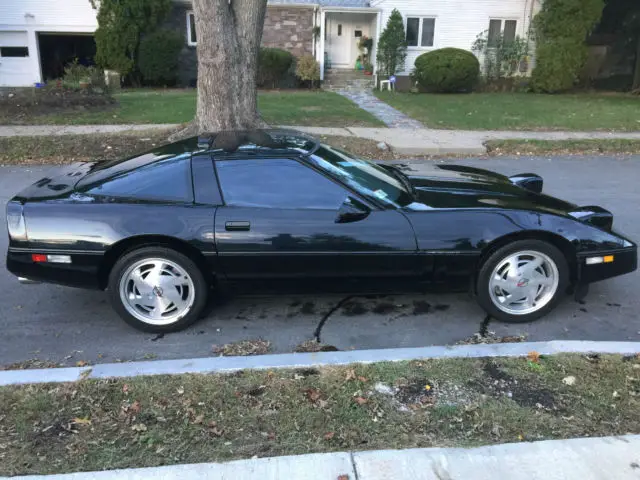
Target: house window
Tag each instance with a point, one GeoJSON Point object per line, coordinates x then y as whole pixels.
{"type": "Point", "coordinates": [505, 27]}
{"type": "Point", "coordinates": [420, 31]}
{"type": "Point", "coordinates": [191, 29]}
{"type": "Point", "coordinates": [14, 51]}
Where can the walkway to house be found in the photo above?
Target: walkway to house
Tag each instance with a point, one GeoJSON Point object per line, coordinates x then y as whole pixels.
{"type": "Point", "coordinates": [403, 140]}
{"type": "Point", "coordinates": [386, 113]}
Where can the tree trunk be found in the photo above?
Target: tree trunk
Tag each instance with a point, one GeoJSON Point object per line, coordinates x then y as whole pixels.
{"type": "Point", "coordinates": [229, 34]}
{"type": "Point", "coordinates": [636, 75]}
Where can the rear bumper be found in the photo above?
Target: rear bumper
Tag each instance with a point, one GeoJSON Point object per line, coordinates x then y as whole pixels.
{"type": "Point", "coordinates": [625, 261]}
{"type": "Point", "coordinates": [82, 272]}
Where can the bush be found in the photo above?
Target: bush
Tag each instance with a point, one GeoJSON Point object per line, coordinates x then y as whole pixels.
{"type": "Point", "coordinates": [308, 69]}
{"type": "Point", "coordinates": [273, 64]}
{"type": "Point", "coordinates": [447, 70]}
{"type": "Point", "coordinates": [77, 76]}
{"type": "Point", "coordinates": [561, 29]}
{"type": "Point", "coordinates": [558, 64]}
{"type": "Point", "coordinates": [158, 57]}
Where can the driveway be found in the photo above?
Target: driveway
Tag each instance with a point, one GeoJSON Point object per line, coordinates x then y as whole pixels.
{"type": "Point", "coordinates": [68, 325]}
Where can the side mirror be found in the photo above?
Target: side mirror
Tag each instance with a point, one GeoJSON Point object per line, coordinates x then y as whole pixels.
{"type": "Point", "coordinates": [352, 210]}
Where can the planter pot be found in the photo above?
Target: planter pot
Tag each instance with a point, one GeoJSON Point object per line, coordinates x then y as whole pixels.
{"type": "Point", "coordinates": [84, 85]}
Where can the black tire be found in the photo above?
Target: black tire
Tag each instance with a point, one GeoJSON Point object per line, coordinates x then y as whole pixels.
{"type": "Point", "coordinates": [201, 288]}
{"type": "Point", "coordinates": [483, 294]}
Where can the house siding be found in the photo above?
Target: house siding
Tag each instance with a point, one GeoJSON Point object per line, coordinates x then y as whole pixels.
{"type": "Point", "coordinates": [457, 23]}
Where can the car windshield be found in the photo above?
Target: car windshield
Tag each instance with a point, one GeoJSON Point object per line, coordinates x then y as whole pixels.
{"type": "Point", "coordinates": [367, 178]}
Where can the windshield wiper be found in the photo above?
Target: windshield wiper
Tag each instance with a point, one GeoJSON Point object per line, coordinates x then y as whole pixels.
{"type": "Point", "coordinates": [399, 174]}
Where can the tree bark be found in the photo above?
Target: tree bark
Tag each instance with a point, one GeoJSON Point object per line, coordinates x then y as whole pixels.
{"type": "Point", "coordinates": [229, 33]}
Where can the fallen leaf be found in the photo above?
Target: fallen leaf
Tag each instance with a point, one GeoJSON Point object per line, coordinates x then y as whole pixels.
{"type": "Point", "coordinates": [427, 387]}
{"type": "Point", "coordinates": [199, 419]}
{"type": "Point", "coordinates": [82, 421]}
{"type": "Point", "coordinates": [139, 427]}
{"type": "Point", "coordinates": [351, 375]}
{"type": "Point", "coordinates": [329, 435]}
{"type": "Point", "coordinates": [343, 477]}
{"type": "Point", "coordinates": [360, 400]}
{"type": "Point", "coordinates": [135, 407]}
{"type": "Point", "coordinates": [180, 390]}
{"type": "Point", "coordinates": [81, 363]}
{"type": "Point", "coordinates": [363, 379]}
{"type": "Point", "coordinates": [125, 388]}
{"type": "Point", "coordinates": [520, 437]}
{"type": "Point", "coordinates": [570, 380]}
{"type": "Point", "coordinates": [313, 394]}
{"type": "Point", "coordinates": [615, 394]}
{"type": "Point", "coordinates": [322, 403]}
{"type": "Point", "coordinates": [533, 356]}
{"type": "Point", "coordinates": [271, 436]}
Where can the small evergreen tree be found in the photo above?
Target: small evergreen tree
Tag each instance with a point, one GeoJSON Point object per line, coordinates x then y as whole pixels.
{"type": "Point", "coordinates": [121, 25]}
{"type": "Point", "coordinates": [392, 45]}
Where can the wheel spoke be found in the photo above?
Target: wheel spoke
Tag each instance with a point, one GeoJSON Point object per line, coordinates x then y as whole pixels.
{"type": "Point", "coordinates": [175, 297]}
{"type": "Point", "coordinates": [141, 284]}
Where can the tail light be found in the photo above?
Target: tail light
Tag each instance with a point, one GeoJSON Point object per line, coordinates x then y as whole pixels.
{"type": "Point", "coordinates": [15, 221]}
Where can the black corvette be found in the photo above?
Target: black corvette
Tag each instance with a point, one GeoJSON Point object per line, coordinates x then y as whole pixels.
{"type": "Point", "coordinates": [278, 210]}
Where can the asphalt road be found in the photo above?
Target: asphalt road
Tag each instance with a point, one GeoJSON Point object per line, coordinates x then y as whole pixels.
{"type": "Point", "coordinates": [68, 325]}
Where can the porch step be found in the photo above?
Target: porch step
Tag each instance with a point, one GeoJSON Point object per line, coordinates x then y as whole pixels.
{"type": "Point", "coordinates": [337, 79]}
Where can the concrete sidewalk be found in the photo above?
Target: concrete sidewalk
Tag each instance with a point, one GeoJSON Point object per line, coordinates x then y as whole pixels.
{"type": "Point", "coordinates": [580, 459]}
{"type": "Point", "coordinates": [403, 141]}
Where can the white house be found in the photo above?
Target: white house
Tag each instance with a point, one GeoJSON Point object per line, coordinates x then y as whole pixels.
{"type": "Point", "coordinates": [30, 29]}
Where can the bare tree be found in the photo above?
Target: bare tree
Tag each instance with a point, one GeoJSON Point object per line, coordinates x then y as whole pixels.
{"type": "Point", "coordinates": [229, 34]}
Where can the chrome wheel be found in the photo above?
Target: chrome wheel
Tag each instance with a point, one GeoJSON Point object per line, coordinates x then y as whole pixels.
{"type": "Point", "coordinates": [524, 282]}
{"type": "Point", "coordinates": [157, 291]}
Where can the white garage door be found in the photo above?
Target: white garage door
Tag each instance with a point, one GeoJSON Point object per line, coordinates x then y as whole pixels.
{"type": "Point", "coordinates": [16, 66]}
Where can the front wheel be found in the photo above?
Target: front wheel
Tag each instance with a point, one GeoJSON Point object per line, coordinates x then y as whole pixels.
{"type": "Point", "coordinates": [156, 289]}
{"type": "Point", "coordinates": [522, 281]}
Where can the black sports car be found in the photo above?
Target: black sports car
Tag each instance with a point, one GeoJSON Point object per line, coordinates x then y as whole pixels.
{"type": "Point", "coordinates": [279, 210]}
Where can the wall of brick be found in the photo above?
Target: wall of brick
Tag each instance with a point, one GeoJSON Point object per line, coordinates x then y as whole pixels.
{"type": "Point", "coordinates": [289, 28]}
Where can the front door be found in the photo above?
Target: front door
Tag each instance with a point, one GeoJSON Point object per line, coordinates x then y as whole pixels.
{"type": "Point", "coordinates": [338, 42]}
{"type": "Point", "coordinates": [279, 223]}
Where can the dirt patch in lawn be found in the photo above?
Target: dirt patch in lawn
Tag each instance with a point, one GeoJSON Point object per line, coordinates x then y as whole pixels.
{"type": "Point", "coordinates": [165, 420]}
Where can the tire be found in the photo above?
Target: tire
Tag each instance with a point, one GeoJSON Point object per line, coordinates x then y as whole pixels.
{"type": "Point", "coordinates": [525, 293]}
{"type": "Point", "coordinates": [157, 290]}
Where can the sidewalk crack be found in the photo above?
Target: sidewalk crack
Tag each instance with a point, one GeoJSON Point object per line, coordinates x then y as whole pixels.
{"type": "Point", "coordinates": [353, 465]}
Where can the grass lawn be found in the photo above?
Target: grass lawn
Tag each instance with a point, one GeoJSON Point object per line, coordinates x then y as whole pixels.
{"type": "Point", "coordinates": [559, 147]}
{"type": "Point", "coordinates": [162, 420]}
{"type": "Point", "coordinates": [63, 149]}
{"type": "Point", "coordinates": [295, 107]}
{"type": "Point", "coordinates": [520, 111]}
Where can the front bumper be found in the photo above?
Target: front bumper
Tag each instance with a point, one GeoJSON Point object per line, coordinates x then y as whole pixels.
{"type": "Point", "coordinates": [82, 272]}
{"type": "Point", "coordinates": [625, 261]}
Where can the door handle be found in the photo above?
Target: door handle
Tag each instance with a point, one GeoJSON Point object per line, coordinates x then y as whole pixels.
{"type": "Point", "coordinates": [237, 226]}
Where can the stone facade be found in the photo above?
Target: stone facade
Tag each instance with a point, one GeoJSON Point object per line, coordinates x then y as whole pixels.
{"type": "Point", "coordinates": [289, 28]}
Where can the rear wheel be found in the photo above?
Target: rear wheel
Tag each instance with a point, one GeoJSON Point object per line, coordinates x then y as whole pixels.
{"type": "Point", "coordinates": [156, 289]}
{"type": "Point", "coordinates": [522, 281]}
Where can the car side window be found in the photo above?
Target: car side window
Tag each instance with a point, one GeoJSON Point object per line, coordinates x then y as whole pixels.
{"type": "Point", "coordinates": [277, 183]}
{"type": "Point", "coordinates": [168, 179]}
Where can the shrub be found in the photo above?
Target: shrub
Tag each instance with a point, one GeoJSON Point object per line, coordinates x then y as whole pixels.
{"type": "Point", "coordinates": [308, 69]}
{"type": "Point", "coordinates": [75, 75]}
{"type": "Point", "coordinates": [447, 70]}
{"type": "Point", "coordinates": [392, 45]}
{"type": "Point", "coordinates": [158, 57]}
{"type": "Point", "coordinates": [501, 58]}
{"type": "Point", "coordinates": [561, 29]}
{"type": "Point", "coordinates": [273, 64]}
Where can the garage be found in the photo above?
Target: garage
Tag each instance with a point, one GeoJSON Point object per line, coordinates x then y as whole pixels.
{"type": "Point", "coordinates": [60, 49]}
{"type": "Point", "coordinates": [16, 64]}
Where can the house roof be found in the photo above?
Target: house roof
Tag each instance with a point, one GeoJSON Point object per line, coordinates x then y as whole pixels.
{"type": "Point", "coordinates": [325, 3]}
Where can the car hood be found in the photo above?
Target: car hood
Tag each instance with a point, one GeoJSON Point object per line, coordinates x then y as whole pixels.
{"type": "Point", "coordinates": [456, 186]}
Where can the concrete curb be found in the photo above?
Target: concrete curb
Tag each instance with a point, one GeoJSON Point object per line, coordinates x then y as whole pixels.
{"type": "Point", "coordinates": [306, 360]}
{"type": "Point", "coordinates": [572, 459]}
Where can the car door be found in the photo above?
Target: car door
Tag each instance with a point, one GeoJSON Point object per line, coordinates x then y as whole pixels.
{"type": "Point", "coordinates": [283, 220]}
